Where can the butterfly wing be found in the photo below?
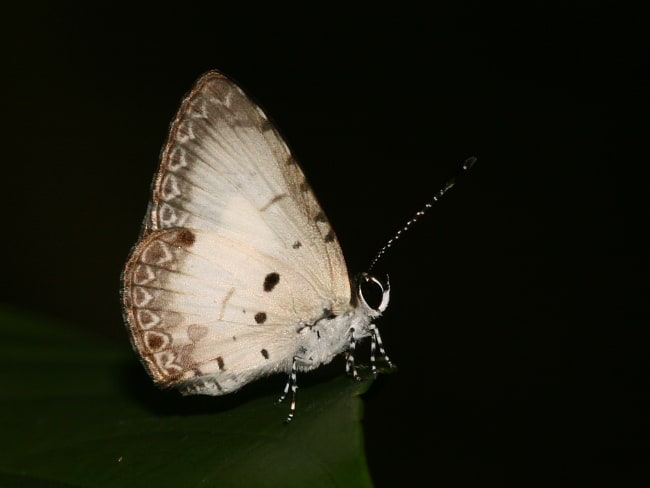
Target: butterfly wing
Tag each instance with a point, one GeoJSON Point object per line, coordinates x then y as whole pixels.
{"type": "Point", "coordinates": [236, 252]}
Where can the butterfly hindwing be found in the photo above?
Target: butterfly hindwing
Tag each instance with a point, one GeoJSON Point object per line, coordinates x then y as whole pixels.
{"type": "Point", "coordinates": [197, 305]}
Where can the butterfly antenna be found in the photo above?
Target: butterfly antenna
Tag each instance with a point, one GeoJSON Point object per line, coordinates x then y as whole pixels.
{"type": "Point", "coordinates": [464, 168]}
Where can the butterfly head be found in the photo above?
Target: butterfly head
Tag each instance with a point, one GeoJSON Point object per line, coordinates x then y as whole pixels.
{"type": "Point", "coordinates": [372, 294]}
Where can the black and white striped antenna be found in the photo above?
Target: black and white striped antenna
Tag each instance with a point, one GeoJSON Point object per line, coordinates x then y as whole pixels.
{"type": "Point", "coordinates": [464, 168]}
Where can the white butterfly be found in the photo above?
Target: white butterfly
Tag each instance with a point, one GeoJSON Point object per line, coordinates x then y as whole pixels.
{"type": "Point", "coordinates": [238, 273]}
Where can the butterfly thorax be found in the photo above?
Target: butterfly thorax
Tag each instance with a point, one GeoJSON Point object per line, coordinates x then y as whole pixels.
{"type": "Point", "coordinates": [330, 336]}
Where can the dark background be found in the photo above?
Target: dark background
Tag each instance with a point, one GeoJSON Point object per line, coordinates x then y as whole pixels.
{"type": "Point", "coordinates": [519, 304]}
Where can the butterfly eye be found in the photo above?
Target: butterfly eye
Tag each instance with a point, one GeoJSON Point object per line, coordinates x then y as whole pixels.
{"type": "Point", "coordinates": [373, 293]}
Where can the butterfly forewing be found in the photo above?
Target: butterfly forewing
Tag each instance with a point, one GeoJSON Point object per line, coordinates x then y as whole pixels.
{"type": "Point", "coordinates": [225, 168]}
{"type": "Point", "coordinates": [236, 253]}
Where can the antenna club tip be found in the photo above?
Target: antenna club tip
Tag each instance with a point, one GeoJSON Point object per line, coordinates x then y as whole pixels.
{"type": "Point", "coordinates": [469, 162]}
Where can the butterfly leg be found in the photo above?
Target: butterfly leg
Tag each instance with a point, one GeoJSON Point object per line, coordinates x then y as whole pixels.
{"type": "Point", "coordinates": [293, 385]}
{"type": "Point", "coordinates": [350, 367]}
{"type": "Point", "coordinates": [374, 344]}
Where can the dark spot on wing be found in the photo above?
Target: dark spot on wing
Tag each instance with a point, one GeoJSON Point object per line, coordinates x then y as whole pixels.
{"type": "Point", "coordinates": [304, 186]}
{"type": "Point", "coordinates": [270, 281]}
{"type": "Point", "coordinates": [329, 237]}
{"type": "Point", "coordinates": [220, 362]}
{"type": "Point", "coordinates": [297, 244]}
{"type": "Point", "coordinates": [260, 317]}
{"type": "Point", "coordinates": [185, 238]}
{"type": "Point", "coordinates": [266, 125]}
{"type": "Point", "coordinates": [328, 314]}
{"type": "Point", "coordinates": [320, 217]}
{"type": "Point", "coordinates": [265, 353]}
{"type": "Point", "coordinates": [273, 200]}
{"type": "Point", "coordinates": [154, 342]}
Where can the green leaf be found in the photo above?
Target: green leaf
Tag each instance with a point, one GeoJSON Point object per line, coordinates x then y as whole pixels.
{"type": "Point", "coordinates": [75, 412]}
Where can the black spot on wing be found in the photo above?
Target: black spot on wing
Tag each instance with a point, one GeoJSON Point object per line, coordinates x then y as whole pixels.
{"type": "Point", "coordinates": [328, 314]}
{"type": "Point", "coordinates": [270, 280]}
{"type": "Point", "coordinates": [260, 317]}
{"type": "Point", "coordinates": [297, 245]}
{"type": "Point", "coordinates": [265, 353]}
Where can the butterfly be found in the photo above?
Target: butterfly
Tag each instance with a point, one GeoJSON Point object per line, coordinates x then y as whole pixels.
{"type": "Point", "coordinates": [237, 273]}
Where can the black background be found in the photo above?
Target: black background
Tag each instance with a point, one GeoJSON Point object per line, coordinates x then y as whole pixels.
{"type": "Point", "coordinates": [519, 309]}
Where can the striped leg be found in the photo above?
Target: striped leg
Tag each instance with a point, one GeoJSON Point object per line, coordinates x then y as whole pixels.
{"type": "Point", "coordinates": [374, 344]}
{"type": "Point", "coordinates": [291, 383]}
{"type": "Point", "coordinates": [350, 367]}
